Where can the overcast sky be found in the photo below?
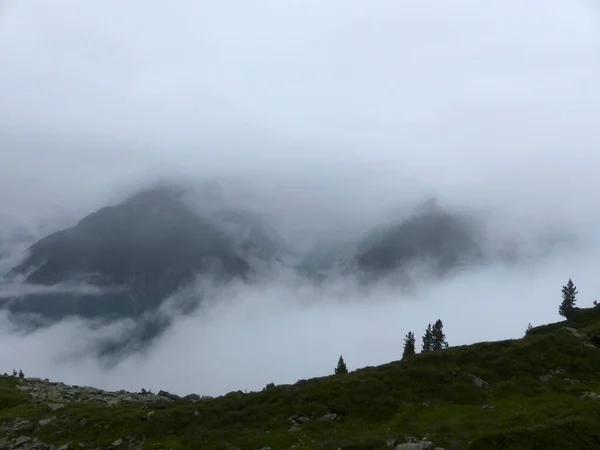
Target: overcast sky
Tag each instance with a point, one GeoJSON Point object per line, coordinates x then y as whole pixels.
{"type": "Point", "coordinates": [334, 110]}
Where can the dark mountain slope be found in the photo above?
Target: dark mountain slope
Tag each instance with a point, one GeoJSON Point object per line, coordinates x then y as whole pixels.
{"type": "Point", "coordinates": [432, 235]}
{"type": "Point", "coordinates": [149, 246]}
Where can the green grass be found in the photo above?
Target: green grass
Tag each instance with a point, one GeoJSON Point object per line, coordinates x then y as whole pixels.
{"type": "Point", "coordinates": [431, 394]}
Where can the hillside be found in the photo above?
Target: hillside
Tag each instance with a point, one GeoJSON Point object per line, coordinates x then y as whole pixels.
{"type": "Point", "coordinates": [539, 392]}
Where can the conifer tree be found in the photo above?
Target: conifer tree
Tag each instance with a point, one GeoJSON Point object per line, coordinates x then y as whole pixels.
{"type": "Point", "coordinates": [567, 306]}
{"type": "Point", "coordinates": [409, 345]}
{"type": "Point", "coordinates": [438, 341]}
{"type": "Point", "coordinates": [341, 366]}
{"type": "Point", "coordinates": [529, 328]}
{"type": "Point", "coordinates": [427, 340]}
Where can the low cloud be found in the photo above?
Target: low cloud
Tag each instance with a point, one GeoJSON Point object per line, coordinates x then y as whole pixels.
{"type": "Point", "coordinates": [286, 329]}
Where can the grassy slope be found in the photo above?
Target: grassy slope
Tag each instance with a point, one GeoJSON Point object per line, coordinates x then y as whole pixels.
{"type": "Point", "coordinates": [431, 394]}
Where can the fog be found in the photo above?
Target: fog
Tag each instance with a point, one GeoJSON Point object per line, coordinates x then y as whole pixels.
{"type": "Point", "coordinates": [323, 116]}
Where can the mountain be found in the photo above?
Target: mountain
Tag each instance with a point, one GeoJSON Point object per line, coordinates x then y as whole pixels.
{"type": "Point", "coordinates": [431, 237]}
{"type": "Point", "coordinates": [541, 392]}
{"type": "Point", "coordinates": [139, 252]}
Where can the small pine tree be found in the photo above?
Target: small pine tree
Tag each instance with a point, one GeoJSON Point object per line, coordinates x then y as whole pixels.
{"type": "Point", "coordinates": [529, 328]}
{"type": "Point", "coordinates": [567, 306]}
{"type": "Point", "coordinates": [438, 341]}
{"type": "Point", "coordinates": [409, 345]}
{"type": "Point", "coordinates": [14, 374]}
{"type": "Point", "coordinates": [427, 340]}
{"type": "Point", "coordinates": [21, 374]}
{"type": "Point", "coordinates": [341, 366]}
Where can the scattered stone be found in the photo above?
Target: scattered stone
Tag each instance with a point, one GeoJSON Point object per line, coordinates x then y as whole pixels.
{"type": "Point", "coordinates": [45, 422]}
{"type": "Point", "coordinates": [116, 443]}
{"type": "Point", "coordinates": [45, 391]}
{"type": "Point", "coordinates": [413, 443]}
{"type": "Point", "coordinates": [169, 395]}
{"type": "Point", "coordinates": [329, 416]}
{"type": "Point", "coordinates": [197, 413]}
{"type": "Point", "coordinates": [298, 420]}
{"type": "Point", "coordinates": [488, 407]}
{"type": "Point", "coordinates": [590, 395]}
{"type": "Point", "coordinates": [545, 378]}
{"type": "Point", "coordinates": [479, 382]}
{"type": "Point", "coordinates": [192, 398]}
{"type": "Point", "coordinates": [22, 440]}
{"type": "Point", "coordinates": [390, 442]}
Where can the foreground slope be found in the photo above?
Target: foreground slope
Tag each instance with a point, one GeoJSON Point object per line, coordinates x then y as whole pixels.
{"type": "Point", "coordinates": [539, 392]}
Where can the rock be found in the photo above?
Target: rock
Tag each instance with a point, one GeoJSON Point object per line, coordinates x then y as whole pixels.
{"type": "Point", "coordinates": [45, 422]}
{"type": "Point", "coordinates": [65, 447]}
{"type": "Point", "coordinates": [116, 443]}
{"type": "Point", "coordinates": [169, 395]}
{"type": "Point", "coordinates": [545, 378]}
{"type": "Point", "coordinates": [298, 420]}
{"type": "Point", "coordinates": [23, 425]}
{"type": "Point", "coordinates": [479, 382]}
{"type": "Point", "coordinates": [329, 416]}
{"type": "Point", "coordinates": [591, 395]}
{"type": "Point", "coordinates": [415, 444]}
{"type": "Point", "coordinates": [196, 413]}
{"type": "Point", "coordinates": [488, 407]}
{"type": "Point", "coordinates": [192, 398]}
{"type": "Point", "coordinates": [390, 442]}
{"type": "Point", "coordinates": [22, 440]}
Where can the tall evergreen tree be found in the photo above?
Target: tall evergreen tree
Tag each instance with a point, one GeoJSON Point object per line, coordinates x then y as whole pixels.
{"type": "Point", "coordinates": [438, 341]}
{"type": "Point", "coordinates": [567, 306]}
{"type": "Point", "coordinates": [341, 366]}
{"type": "Point", "coordinates": [427, 340]}
{"type": "Point", "coordinates": [409, 345]}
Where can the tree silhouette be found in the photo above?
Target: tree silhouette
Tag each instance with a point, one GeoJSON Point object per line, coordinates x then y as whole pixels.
{"type": "Point", "coordinates": [409, 345]}
{"type": "Point", "coordinates": [438, 341]}
{"type": "Point", "coordinates": [567, 306]}
{"type": "Point", "coordinates": [341, 366]}
{"type": "Point", "coordinates": [427, 340]}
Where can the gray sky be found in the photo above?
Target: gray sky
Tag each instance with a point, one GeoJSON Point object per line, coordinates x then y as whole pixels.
{"type": "Point", "coordinates": [333, 111]}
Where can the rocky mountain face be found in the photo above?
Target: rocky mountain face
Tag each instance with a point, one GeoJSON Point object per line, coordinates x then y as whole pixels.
{"type": "Point", "coordinates": [431, 236]}
{"type": "Point", "coordinates": [138, 252]}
